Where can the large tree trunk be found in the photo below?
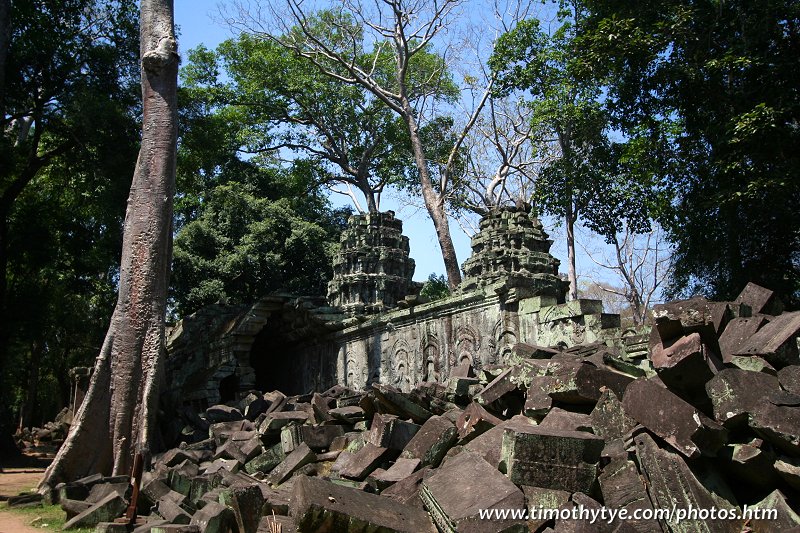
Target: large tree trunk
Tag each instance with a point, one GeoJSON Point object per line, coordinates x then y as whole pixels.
{"type": "Point", "coordinates": [433, 202]}
{"type": "Point", "coordinates": [116, 418]}
{"type": "Point", "coordinates": [571, 272]}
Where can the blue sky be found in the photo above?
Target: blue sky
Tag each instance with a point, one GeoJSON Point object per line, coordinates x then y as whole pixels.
{"type": "Point", "coordinates": [197, 22]}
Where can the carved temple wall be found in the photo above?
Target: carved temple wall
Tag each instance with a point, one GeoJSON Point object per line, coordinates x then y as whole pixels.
{"type": "Point", "coordinates": [374, 329]}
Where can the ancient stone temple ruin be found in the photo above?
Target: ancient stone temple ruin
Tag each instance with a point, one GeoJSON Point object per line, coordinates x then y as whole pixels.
{"type": "Point", "coordinates": [374, 328]}
{"type": "Point", "coordinates": [372, 270]}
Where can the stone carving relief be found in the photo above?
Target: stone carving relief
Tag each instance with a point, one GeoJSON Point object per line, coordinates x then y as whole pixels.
{"type": "Point", "coordinates": [402, 368]}
{"type": "Point", "coordinates": [503, 339]}
{"type": "Point", "coordinates": [568, 332]}
{"type": "Point", "coordinates": [467, 344]}
{"type": "Point", "coordinates": [356, 371]}
{"type": "Point", "coordinates": [432, 359]}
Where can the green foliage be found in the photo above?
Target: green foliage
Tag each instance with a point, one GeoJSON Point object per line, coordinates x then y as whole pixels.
{"type": "Point", "coordinates": [72, 75]}
{"type": "Point", "coordinates": [708, 92]}
{"type": "Point", "coordinates": [269, 99]}
{"type": "Point", "coordinates": [275, 102]}
{"type": "Point", "coordinates": [435, 288]}
{"type": "Point", "coordinates": [248, 242]}
{"type": "Point", "coordinates": [585, 175]}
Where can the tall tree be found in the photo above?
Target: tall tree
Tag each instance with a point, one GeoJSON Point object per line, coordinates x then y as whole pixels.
{"type": "Point", "coordinates": [567, 120]}
{"type": "Point", "coordinates": [710, 90]}
{"type": "Point", "coordinates": [117, 417]}
{"type": "Point", "coordinates": [50, 114]}
{"type": "Point", "coordinates": [284, 107]}
{"type": "Point", "coordinates": [581, 174]}
{"type": "Point", "coordinates": [404, 32]}
{"type": "Point", "coordinates": [246, 243]}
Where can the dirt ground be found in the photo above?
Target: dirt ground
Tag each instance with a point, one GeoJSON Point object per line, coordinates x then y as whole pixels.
{"type": "Point", "coordinates": [16, 480]}
{"type": "Point", "coordinates": [12, 523]}
{"type": "Point", "coordinates": [19, 475]}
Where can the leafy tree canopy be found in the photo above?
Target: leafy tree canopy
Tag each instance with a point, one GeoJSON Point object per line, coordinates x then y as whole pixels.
{"type": "Point", "coordinates": [584, 174]}
{"type": "Point", "coordinates": [69, 139]}
{"type": "Point", "coordinates": [286, 106]}
{"type": "Point", "coordinates": [245, 244]}
{"type": "Point", "coordinates": [435, 288]}
{"type": "Point", "coordinates": [708, 92]}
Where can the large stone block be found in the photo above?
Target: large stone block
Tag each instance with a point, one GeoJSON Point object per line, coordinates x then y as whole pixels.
{"type": "Point", "coordinates": [365, 460]}
{"type": "Point", "coordinates": [213, 518]}
{"type": "Point", "coordinates": [737, 333]}
{"type": "Point", "coordinates": [502, 385]}
{"type": "Point", "coordinates": [685, 365]}
{"type": "Point", "coordinates": [406, 490]}
{"type": "Point", "coordinates": [783, 516]}
{"type": "Point", "coordinates": [609, 419]}
{"type": "Point", "coordinates": [273, 422]}
{"type": "Point", "coordinates": [671, 484]}
{"type": "Point", "coordinates": [558, 418]}
{"type": "Point", "coordinates": [106, 510]}
{"type": "Point", "coordinates": [221, 431]}
{"type": "Point", "coordinates": [401, 469]}
{"type": "Point", "coordinates": [390, 432]}
{"type": "Point", "coordinates": [172, 512]}
{"type": "Point", "coordinates": [592, 379]}
{"type": "Point", "coordinates": [681, 317]}
{"type": "Point", "coordinates": [623, 488]}
{"type": "Point", "coordinates": [489, 444]}
{"type": "Point", "coordinates": [474, 420]}
{"type": "Point", "coordinates": [155, 490]}
{"type": "Point", "coordinates": [539, 499]}
{"type": "Point", "coordinates": [685, 428]}
{"type": "Point", "coordinates": [789, 378]}
{"type": "Point", "coordinates": [318, 505]}
{"type": "Point", "coordinates": [777, 341]}
{"type": "Point", "coordinates": [265, 462]}
{"type": "Point", "coordinates": [432, 441]}
{"type": "Point", "coordinates": [776, 418]}
{"type": "Point", "coordinates": [70, 507]}
{"type": "Point", "coordinates": [734, 394]}
{"type": "Point", "coordinates": [300, 457]}
{"type": "Point", "coordinates": [396, 403]}
{"type": "Point", "coordinates": [760, 300]}
{"type": "Point", "coordinates": [464, 485]}
{"type": "Point", "coordinates": [247, 503]}
{"type": "Point", "coordinates": [551, 458]}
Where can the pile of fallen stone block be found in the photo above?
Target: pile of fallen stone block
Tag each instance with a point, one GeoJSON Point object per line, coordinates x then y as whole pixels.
{"type": "Point", "coordinates": [708, 419]}
{"type": "Point", "coordinates": [46, 439]}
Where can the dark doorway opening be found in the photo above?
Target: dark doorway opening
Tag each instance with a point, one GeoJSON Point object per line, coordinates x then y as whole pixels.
{"type": "Point", "coordinates": [273, 360]}
{"type": "Point", "coordinates": [228, 388]}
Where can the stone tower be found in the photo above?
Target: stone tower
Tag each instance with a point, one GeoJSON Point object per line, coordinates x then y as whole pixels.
{"type": "Point", "coordinates": [512, 246]}
{"type": "Point", "coordinates": [372, 270]}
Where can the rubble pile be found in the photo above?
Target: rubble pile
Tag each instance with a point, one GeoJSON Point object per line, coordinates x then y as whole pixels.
{"type": "Point", "coordinates": [707, 418]}
{"type": "Point", "coordinates": [46, 439]}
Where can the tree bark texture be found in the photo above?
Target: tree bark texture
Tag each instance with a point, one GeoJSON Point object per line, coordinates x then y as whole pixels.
{"type": "Point", "coordinates": [433, 202]}
{"type": "Point", "coordinates": [571, 272]}
{"type": "Point", "coordinates": [116, 419]}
